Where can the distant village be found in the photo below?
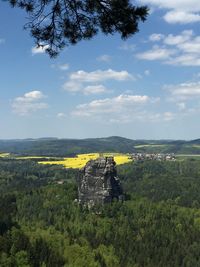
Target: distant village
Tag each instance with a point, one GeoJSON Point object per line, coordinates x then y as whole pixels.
{"type": "Point", "coordinates": [154, 156]}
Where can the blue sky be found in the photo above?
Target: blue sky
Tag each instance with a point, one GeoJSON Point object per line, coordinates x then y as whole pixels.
{"type": "Point", "coordinates": [147, 87]}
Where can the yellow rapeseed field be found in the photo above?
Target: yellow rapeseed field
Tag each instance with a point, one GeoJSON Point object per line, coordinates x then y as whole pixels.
{"type": "Point", "coordinates": [81, 159]}
{"type": "Point", "coordinates": [121, 159]}
{"type": "Point", "coordinates": [3, 155]}
{"type": "Point", "coordinates": [32, 157]}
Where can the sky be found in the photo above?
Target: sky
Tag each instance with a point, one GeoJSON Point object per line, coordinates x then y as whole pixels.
{"type": "Point", "coordinates": [147, 87]}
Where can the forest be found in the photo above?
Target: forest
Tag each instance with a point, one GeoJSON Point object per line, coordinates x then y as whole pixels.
{"type": "Point", "coordinates": [55, 147]}
{"type": "Point", "coordinates": [157, 226]}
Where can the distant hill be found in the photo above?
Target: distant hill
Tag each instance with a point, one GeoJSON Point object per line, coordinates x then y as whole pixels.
{"type": "Point", "coordinates": [195, 142]}
{"type": "Point", "coordinates": [70, 147]}
{"type": "Point", "coordinates": [67, 147]}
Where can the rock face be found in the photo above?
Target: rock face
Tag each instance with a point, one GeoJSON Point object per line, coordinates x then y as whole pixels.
{"type": "Point", "coordinates": [98, 182]}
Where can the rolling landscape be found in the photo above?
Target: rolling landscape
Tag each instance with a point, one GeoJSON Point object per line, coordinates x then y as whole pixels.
{"type": "Point", "coordinates": [99, 133]}
{"type": "Point", "coordinates": [54, 147]}
{"type": "Point", "coordinates": [41, 223]}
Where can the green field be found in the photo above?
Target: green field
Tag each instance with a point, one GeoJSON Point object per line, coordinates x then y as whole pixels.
{"type": "Point", "coordinates": [187, 156]}
{"type": "Point", "coordinates": [150, 145]}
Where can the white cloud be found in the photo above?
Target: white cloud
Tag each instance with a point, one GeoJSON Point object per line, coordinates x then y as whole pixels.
{"type": "Point", "coordinates": [178, 39]}
{"type": "Point", "coordinates": [163, 116]}
{"type": "Point", "coordinates": [122, 108]}
{"type": "Point", "coordinates": [104, 58]}
{"type": "Point", "coordinates": [28, 103]}
{"type": "Point", "coordinates": [33, 95]}
{"type": "Point", "coordinates": [182, 49]}
{"type": "Point", "coordinates": [155, 37]}
{"type": "Point", "coordinates": [179, 11]}
{"type": "Point", "coordinates": [156, 53]}
{"type": "Point", "coordinates": [100, 75]}
{"type": "Point", "coordinates": [94, 89]}
{"type": "Point", "coordinates": [181, 17]}
{"type": "Point", "coordinates": [61, 115]}
{"type": "Point", "coordinates": [192, 46]}
{"type": "Point", "coordinates": [168, 116]}
{"type": "Point", "coordinates": [184, 60]}
{"type": "Point", "coordinates": [75, 87]}
{"type": "Point", "coordinates": [39, 49]}
{"type": "Point", "coordinates": [72, 86]}
{"type": "Point", "coordinates": [184, 91]}
{"type": "Point", "coordinates": [185, 98]}
{"type": "Point", "coordinates": [189, 5]}
{"type": "Point", "coordinates": [109, 105]}
{"type": "Point", "coordinates": [77, 80]}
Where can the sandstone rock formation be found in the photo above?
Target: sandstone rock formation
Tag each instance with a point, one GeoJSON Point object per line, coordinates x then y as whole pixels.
{"type": "Point", "coordinates": [98, 182]}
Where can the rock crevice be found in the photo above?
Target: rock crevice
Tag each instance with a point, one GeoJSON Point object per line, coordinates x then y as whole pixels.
{"type": "Point", "coordinates": [98, 182]}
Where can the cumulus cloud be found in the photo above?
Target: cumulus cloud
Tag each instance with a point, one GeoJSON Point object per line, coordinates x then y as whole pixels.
{"type": "Point", "coordinates": [28, 103]}
{"type": "Point", "coordinates": [94, 89]}
{"type": "Point", "coordinates": [156, 37]}
{"type": "Point", "coordinates": [179, 11]}
{"type": "Point", "coordinates": [178, 4]}
{"type": "Point", "coordinates": [185, 91]}
{"type": "Point", "coordinates": [109, 105]}
{"type": "Point", "coordinates": [184, 98]}
{"type": "Point", "coordinates": [156, 53]}
{"type": "Point", "coordinates": [81, 80]}
{"type": "Point", "coordinates": [100, 75]}
{"type": "Point", "coordinates": [72, 86]}
{"type": "Point", "coordinates": [182, 49]}
{"type": "Point", "coordinates": [122, 108]}
{"type": "Point", "coordinates": [184, 60]}
{"type": "Point", "coordinates": [39, 49]}
{"type": "Point", "coordinates": [179, 39]}
{"type": "Point", "coordinates": [181, 17]}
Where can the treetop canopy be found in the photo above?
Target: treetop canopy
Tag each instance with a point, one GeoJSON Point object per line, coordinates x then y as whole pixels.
{"type": "Point", "coordinates": [55, 24]}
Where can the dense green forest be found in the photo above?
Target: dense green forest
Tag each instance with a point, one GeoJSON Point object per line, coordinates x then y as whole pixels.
{"type": "Point", "coordinates": [70, 147]}
{"type": "Point", "coordinates": [157, 226]}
